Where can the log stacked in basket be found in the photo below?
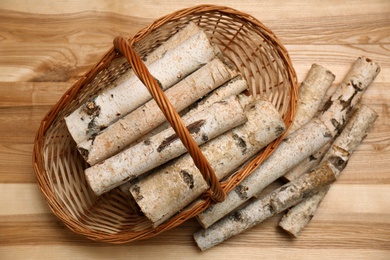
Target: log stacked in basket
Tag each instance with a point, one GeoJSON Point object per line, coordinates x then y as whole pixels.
{"type": "Point", "coordinates": [122, 135]}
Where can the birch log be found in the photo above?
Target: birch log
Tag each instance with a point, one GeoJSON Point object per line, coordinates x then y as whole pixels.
{"type": "Point", "coordinates": [172, 187]}
{"type": "Point", "coordinates": [354, 133]}
{"type": "Point", "coordinates": [164, 146]}
{"type": "Point", "coordinates": [311, 93]}
{"type": "Point", "coordinates": [265, 207]}
{"type": "Point", "coordinates": [302, 143]}
{"type": "Point", "coordinates": [176, 39]}
{"type": "Point", "coordinates": [233, 87]}
{"type": "Point", "coordinates": [125, 131]}
{"type": "Point", "coordinates": [311, 97]}
{"type": "Point", "coordinates": [308, 163]}
{"type": "Point", "coordinates": [175, 64]}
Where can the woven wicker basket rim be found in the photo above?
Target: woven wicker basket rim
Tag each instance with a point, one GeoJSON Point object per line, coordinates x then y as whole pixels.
{"type": "Point", "coordinates": [111, 54]}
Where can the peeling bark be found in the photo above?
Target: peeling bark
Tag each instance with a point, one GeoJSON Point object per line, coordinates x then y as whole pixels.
{"type": "Point", "coordinates": [338, 155]}
{"type": "Point", "coordinates": [164, 193]}
{"type": "Point", "coordinates": [120, 100]}
{"type": "Point", "coordinates": [302, 143]}
{"type": "Point", "coordinates": [164, 146]}
{"type": "Point", "coordinates": [311, 93]}
{"type": "Point", "coordinates": [263, 208]}
{"type": "Point", "coordinates": [308, 163]}
{"type": "Point", "coordinates": [230, 89]}
{"type": "Point", "coordinates": [124, 132]}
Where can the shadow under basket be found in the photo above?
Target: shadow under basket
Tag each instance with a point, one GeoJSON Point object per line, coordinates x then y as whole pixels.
{"type": "Point", "coordinates": [252, 47]}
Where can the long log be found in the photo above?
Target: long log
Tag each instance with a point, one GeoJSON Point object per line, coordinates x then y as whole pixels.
{"type": "Point", "coordinates": [233, 87]}
{"type": "Point", "coordinates": [116, 102]}
{"type": "Point", "coordinates": [311, 93]}
{"type": "Point", "coordinates": [265, 207]}
{"type": "Point", "coordinates": [125, 131]}
{"type": "Point", "coordinates": [308, 163]}
{"type": "Point", "coordinates": [204, 125]}
{"type": "Point", "coordinates": [353, 134]}
{"type": "Point", "coordinates": [301, 144]}
{"type": "Point", "coordinates": [174, 186]}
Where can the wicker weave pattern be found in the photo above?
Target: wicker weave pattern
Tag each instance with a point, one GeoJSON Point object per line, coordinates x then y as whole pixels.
{"type": "Point", "coordinates": [252, 47]}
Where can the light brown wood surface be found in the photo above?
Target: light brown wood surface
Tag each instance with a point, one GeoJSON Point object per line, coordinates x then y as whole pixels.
{"type": "Point", "coordinates": [45, 46]}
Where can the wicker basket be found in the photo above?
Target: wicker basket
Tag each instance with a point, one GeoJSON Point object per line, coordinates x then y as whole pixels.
{"type": "Point", "coordinates": [59, 167]}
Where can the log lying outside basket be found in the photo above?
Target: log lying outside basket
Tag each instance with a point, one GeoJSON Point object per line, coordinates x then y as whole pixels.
{"type": "Point", "coordinates": [252, 47]}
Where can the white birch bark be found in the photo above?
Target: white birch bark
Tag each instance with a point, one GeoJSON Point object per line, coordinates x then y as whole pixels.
{"type": "Point", "coordinates": [345, 144]}
{"type": "Point", "coordinates": [308, 163]}
{"type": "Point", "coordinates": [118, 101]}
{"type": "Point", "coordinates": [172, 187]}
{"type": "Point", "coordinates": [204, 125]}
{"type": "Point", "coordinates": [311, 93]}
{"type": "Point", "coordinates": [126, 130]}
{"type": "Point", "coordinates": [265, 207]}
{"type": "Point", "coordinates": [232, 88]}
{"type": "Point", "coordinates": [176, 39]}
{"type": "Point", "coordinates": [301, 144]}
{"type": "Point", "coordinates": [311, 97]}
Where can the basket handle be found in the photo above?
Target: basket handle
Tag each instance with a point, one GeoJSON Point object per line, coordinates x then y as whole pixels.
{"type": "Point", "coordinates": [139, 68]}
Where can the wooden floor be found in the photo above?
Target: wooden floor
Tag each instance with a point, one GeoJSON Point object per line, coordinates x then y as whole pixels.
{"type": "Point", "coordinates": [45, 46]}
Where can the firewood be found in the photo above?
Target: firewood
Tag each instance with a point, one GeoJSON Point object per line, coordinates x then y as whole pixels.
{"type": "Point", "coordinates": [263, 208]}
{"type": "Point", "coordinates": [125, 131]}
{"type": "Point", "coordinates": [109, 106]}
{"type": "Point", "coordinates": [170, 188]}
{"type": "Point", "coordinates": [353, 134]}
{"type": "Point", "coordinates": [311, 93]}
{"type": "Point", "coordinates": [233, 87]}
{"type": "Point", "coordinates": [204, 125]}
{"type": "Point", "coordinates": [308, 163]}
{"type": "Point", "coordinates": [304, 142]}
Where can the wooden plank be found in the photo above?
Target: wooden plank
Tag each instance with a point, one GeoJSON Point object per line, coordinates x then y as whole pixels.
{"type": "Point", "coordinates": [173, 252]}
{"type": "Point", "coordinates": [154, 9]}
{"type": "Point", "coordinates": [19, 124]}
{"type": "Point", "coordinates": [91, 27]}
{"type": "Point", "coordinates": [77, 45]}
{"type": "Point", "coordinates": [16, 163]}
{"type": "Point", "coordinates": [22, 199]}
{"type": "Point", "coordinates": [17, 94]}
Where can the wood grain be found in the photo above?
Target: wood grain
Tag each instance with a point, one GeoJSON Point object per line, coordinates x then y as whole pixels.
{"type": "Point", "coordinates": [45, 46]}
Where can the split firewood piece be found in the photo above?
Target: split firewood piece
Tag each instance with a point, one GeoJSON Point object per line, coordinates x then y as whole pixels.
{"type": "Point", "coordinates": [204, 125]}
{"type": "Point", "coordinates": [305, 141]}
{"type": "Point", "coordinates": [126, 130]}
{"type": "Point", "coordinates": [311, 93]}
{"type": "Point", "coordinates": [175, 185]}
{"type": "Point", "coordinates": [353, 134]}
{"type": "Point", "coordinates": [265, 207]}
{"type": "Point", "coordinates": [116, 102]}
